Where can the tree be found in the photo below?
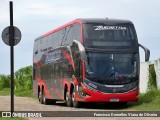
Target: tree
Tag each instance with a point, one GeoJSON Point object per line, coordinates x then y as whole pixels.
{"type": "Point", "coordinates": [23, 77]}
{"type": "Point", "coordinates": [4, 81]}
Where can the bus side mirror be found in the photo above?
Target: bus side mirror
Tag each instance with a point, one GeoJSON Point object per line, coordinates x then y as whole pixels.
{"type": "Point", "coordinates": [81, 48]}
{"type": "Point", "coordinates": [147, 52]}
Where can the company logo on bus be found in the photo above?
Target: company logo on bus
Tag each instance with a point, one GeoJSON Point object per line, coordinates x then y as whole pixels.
{"type": "Point", "coordinates": [100, 27]}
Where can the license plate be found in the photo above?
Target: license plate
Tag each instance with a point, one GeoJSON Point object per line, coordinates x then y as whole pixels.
{"type": "Point", "coordinates": [114, 100]}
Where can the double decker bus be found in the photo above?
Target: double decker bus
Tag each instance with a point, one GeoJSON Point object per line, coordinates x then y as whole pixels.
{"type": "Point", "coordinates": [88, 60]}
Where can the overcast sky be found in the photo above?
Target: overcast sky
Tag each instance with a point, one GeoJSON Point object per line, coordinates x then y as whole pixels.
{"type": "Point", "coordinates": [35, 17]}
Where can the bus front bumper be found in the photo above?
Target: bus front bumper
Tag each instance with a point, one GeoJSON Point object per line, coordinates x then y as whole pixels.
{"type": "Point", "coordinates": [96, 96]}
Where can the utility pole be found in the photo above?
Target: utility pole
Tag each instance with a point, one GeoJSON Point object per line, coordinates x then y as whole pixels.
{"type": "Point", "coordinates": [11, 36]}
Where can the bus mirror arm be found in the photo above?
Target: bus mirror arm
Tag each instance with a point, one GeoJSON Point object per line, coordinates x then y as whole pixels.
{"type": "Point", "coordinates": [147, 52]}
{"type": "Point", "coordinates": [81, 50]}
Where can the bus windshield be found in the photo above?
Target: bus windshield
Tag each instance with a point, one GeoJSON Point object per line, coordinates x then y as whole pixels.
{"type": "Point", "coordinates": [108, 67]}
{"type": "Point", "coordinates": [109, 35]}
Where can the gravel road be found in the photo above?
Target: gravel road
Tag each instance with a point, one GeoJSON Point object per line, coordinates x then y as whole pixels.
{"type": "Point", "coordinates": [32, 104]}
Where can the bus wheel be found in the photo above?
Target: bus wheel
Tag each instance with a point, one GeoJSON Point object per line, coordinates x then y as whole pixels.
{"type": "Point", "coordinates": [68, 99]}
{"type": "Point", "coordinates": [76, 104]}
{"type": "Point", "coordinates": [40, 98]}
{"type": "Point", "coordinates": [45, 100]}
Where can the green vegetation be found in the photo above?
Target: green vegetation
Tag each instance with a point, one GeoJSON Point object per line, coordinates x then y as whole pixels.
{"type": "Point", "coordinates": [152, 83]}
{"type": "Point", "coordinates": [151, 99]}
{"type": "Point", "coordinates": [4, 81]}
{"type": "Point", "coordinates": [23, 82]}
{"type": "Point", "coordinates": [147, 101]}
{"type": "Point", "coordinates": [5, 92]}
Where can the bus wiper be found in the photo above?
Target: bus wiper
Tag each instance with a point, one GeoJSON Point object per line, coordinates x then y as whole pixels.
{"type": "Point", "coordinates": [109, 74]}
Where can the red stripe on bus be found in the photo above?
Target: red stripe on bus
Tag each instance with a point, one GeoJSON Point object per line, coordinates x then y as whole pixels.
{"type": "Point", "coordinates": [83, 69]}
{"type": "Point", "coordinates": [61, 27]}
{"type": "Point", "coordinates": [75, 81]}
{"type": "Point", "coordinates": [41, 64]}
{"type": "Point", "coordinates": [36, 63]}
{"type": "Point", "coordinates": [69, 58]}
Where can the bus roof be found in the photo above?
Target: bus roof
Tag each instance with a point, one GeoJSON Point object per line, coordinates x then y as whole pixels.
{"type": "Point", "coordinates": [104, 20]}
{"type": "Point", "coordinates": [88, 20]}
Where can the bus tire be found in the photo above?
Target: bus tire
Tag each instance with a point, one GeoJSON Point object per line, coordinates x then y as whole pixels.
{"type": "Point", "coordinates": [76, 104]}
{"type": "Point", "coordinates": [45, 100]}
{"type": "Point", "coordinates": [68, 99]}
{"type": "Point", "coordinates": [40, 97]}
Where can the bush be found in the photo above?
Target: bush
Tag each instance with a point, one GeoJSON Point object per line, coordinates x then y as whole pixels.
{"type": "Point", "coordinates": [5, 92]}
{"type": "Point", "coordinates": [152, 83]}
{"type": "Point", "coordinates": [4, 81]}
{"type": "Point", "coordinates": [149, 96]}
{"type": "Point", "coordinates": [22, 79]}
{"type": "Point", "coordinates": [22, 91]}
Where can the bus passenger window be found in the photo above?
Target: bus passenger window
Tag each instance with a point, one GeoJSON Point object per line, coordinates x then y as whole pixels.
{"type": "Point", "coordinates": [76, 32]}
{"type": "Point", "coordinates": [69, 36]}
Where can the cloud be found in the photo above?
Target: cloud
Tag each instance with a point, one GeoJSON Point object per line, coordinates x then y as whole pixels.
{"type": "Point", "coordinates": [44, 9]}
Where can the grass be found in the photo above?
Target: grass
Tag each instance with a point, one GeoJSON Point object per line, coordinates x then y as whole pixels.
{"type": "Point", "coordinates": [5, 92]}
{"type": "Point", "coordinates": [18, 92]}
{"type": "Point", "coordinates": [148, 101]}
{"type": "Point", "coordinates": [23, 92]}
